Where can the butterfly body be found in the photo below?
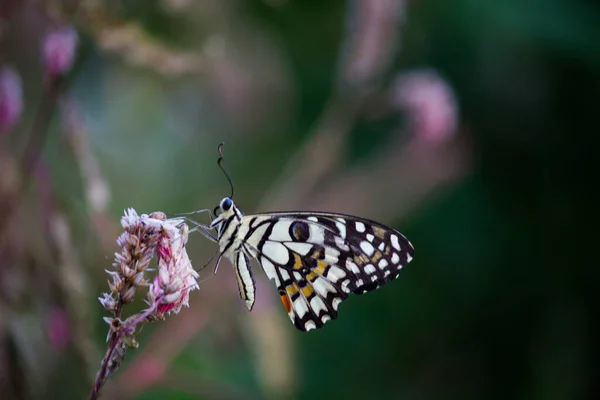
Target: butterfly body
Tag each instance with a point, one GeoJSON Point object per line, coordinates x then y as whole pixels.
{"type": "Point", "coordinates": [315, 259]}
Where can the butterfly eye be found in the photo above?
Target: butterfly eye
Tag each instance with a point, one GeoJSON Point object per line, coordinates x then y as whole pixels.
{"type": "Point", "coordinates": [226, 203]}
{"type": "Point", "coordinates": [299, 231]}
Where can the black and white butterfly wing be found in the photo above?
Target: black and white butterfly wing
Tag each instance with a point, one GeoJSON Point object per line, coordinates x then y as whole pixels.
{"type": "Point", "coordinates": [318, 259]}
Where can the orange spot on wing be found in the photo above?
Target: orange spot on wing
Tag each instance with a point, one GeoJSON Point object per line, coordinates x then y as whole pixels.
{"type": "Point", "coordinates": [292, 289]}
{"type": "Point", "coordinates": [311, 277]}
{"type": "Point", "coordinates": [320, 268]}
{"type": "Point", "coordinates": [297, 261]}
{"type": "Point", "coordinates": [307, 290]}
{"type": "Point", "coordinates": [286, 303]}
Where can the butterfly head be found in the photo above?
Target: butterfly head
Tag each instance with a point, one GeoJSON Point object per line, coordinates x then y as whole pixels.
{"type": "Point", "coordinates": [225, 205]}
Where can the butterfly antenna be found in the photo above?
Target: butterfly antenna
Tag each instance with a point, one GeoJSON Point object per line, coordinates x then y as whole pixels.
{"type": "Point", "coordinates": [221, 163]}
{"type": "Point", "coordinates": [190, 213]}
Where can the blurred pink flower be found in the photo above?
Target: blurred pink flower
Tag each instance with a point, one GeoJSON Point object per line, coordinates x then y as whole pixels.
{"type": "Point", "coordinates": [58, 328]}
{"type": "Point", "coordinates": [372, 38]}
{"type": "Point", "coordinates": [59, 51]}
{"type": "Point", "coordinates": [430, 103]}
{"type": "Point", "coordinates": [150, 372]}
{"type": "Point", "coordinates": [11, 98]}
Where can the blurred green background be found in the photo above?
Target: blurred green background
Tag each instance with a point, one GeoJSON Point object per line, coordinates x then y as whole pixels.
{"type": "Point", "coordinates": [470, 126]}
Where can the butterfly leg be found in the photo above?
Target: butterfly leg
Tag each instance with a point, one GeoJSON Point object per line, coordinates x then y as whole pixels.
{"type": "Point", "coordinates": [203, 229]}
{"type": "Point", "coordinates": [217, 263]}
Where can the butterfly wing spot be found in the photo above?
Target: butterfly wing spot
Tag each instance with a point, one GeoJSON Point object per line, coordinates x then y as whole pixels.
{"type": "Point", "coordinates": [277, 252]}
{"type": "Point", "coordinates": [286, 302]}
{"type": "Point", "coordinates": [299, 247]}
{"type": "Point", "coordinates": [383, 263]}
{"type": "Point", "coordinates": [340, 244]}
{"type": "Point", "coordinates": [360, 227]}
{"type": "Point", "coordinates": [346, 286]}
{"type": "Point", "coordinates": [285, 275]}
{"type": "Point", "coordinates": [269, 269]}
{"type": "Point", "coordinates": [300, 307]}
{"type": "Point", "coordinates": [360, 260]}
{"type": "Point", "coordinates": [395, 242]}
{"type": "Point", "coordinates": [336, 302]}
{"type": "Point", "coordinates": [310, 324]}
{"type": "Point", "coordinates": [378, 232]}
{"type": "Point", "coordinates": [280, 232]}
{"type": "Point", "coordinates": [297, 262]}
{"type": "Point", "coordinates": [367, 248]}
{"type": "Point", "coordinates": [370, 237]}
{"type": "Point", "coordinates": [370, 269]}
{"type": "Point", "coordinates": [291, 290]}
{"type": "Point", "coordinates": [307, 290]}
{"type": "Point", "coordinates": [376, 257]}
{"type": "Point", "coordinates": [395, 258]}
{"type": "Point", "coordinates": [341, 227]}
{"type": "Point", "coordinates": [352, 266]}
{"type": "Point", "coordinates": [318, 253]}
{"type": "Point", "coordinates": [318, 305]}
{"type": "Point", "coordinates": [299, 231]}
{"type": "Point", "coordinates": [335, 273]}
{"type": "Point", "coordinates": [324, 288]}
{"type": "Point", "coordinates": [320, 268]}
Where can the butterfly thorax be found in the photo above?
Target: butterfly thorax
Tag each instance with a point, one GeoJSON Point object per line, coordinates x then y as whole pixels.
{"type": "Point", "coordinates": [232, 227]}
{"type": "Point", "coordinates": [228, 225]}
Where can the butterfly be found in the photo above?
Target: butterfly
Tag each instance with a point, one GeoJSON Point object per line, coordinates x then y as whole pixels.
{"type": "Point", "coordinates": [316, 259]}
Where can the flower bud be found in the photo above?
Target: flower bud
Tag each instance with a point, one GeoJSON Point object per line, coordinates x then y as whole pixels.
{"type": "Point", "coordinates": [59, 51]}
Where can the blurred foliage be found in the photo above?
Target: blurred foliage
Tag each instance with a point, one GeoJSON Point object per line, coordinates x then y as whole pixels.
{"type": "Point", "coordinates": [500, 301]}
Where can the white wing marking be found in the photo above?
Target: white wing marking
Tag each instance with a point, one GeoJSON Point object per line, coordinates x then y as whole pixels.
{"type": "Point", "coordinates": [281, 231]}
{"type": "Point", "coordinates": [276, 252]}
{"type": "Point", "coordinates": [299, 247]}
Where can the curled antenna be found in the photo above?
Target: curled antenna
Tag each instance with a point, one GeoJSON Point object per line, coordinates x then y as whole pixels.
{"type": "Point", "coordinates": [224, 168]}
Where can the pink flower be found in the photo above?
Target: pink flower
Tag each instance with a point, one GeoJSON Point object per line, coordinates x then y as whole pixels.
{"type": "Point", "coordinates": [176, 277]}
{"type": "Point", "coordinates": [429, 102]}
{"type": "Point", "coordinates": [59, 51]}
{"type": "Point", "coordinates": [11, 98]}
